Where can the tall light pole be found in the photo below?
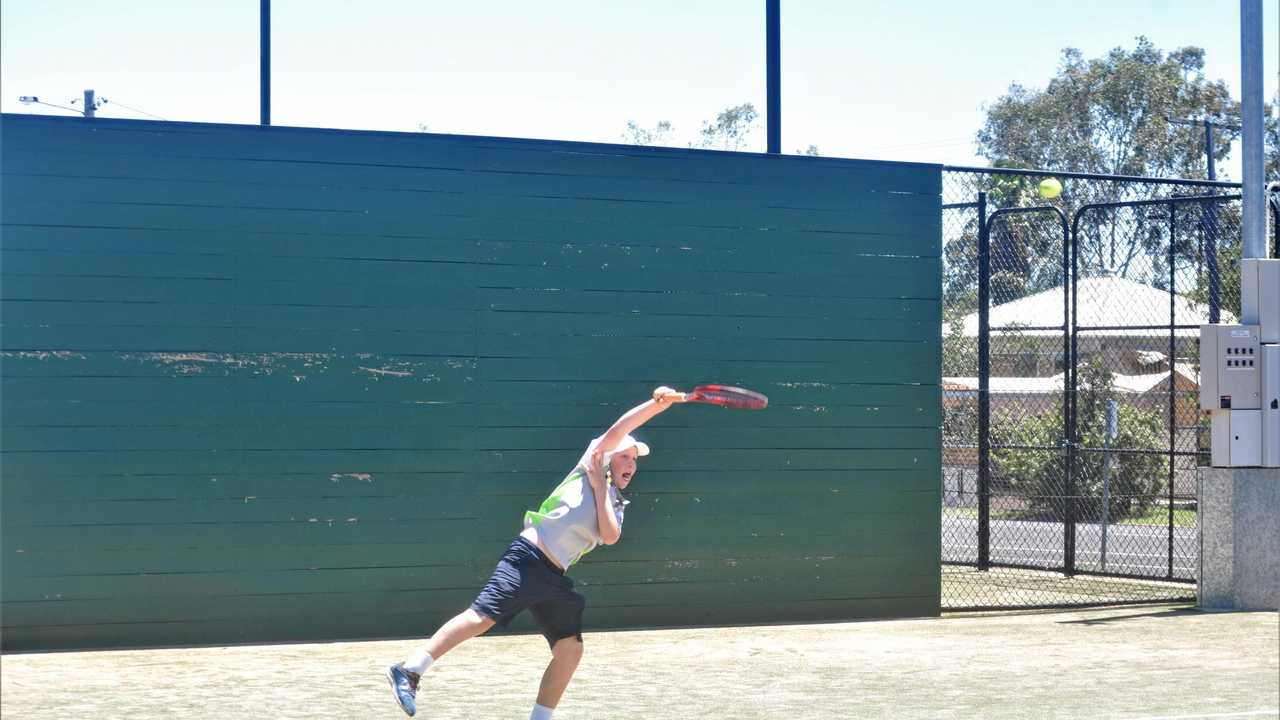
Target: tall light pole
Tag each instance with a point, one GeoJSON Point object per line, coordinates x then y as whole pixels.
{"type": "Point", "coordinates": [773, 72]}
{"type": "Point", "coordinates": [1254, 206]}
{"type": "Point", "coordinates": [264, 61]}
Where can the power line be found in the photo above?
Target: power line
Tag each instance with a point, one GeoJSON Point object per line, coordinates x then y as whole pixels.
{"type": "Point", "coordinates": [33, 100]}
{"type": "Point", "coordinates": [928, 143]}
{"type": "Point", "coordinates": [87, 111]}
{"type": "Point", "coordinates": [126, 107]}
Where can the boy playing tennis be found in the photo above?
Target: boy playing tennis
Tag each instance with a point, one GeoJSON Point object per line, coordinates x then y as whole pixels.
{"type": "Point", "coordinates": [586, 509]}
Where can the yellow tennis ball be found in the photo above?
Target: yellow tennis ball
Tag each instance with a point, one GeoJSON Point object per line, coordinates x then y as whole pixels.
{"type": "Point", "coordinates": [1050, 188]}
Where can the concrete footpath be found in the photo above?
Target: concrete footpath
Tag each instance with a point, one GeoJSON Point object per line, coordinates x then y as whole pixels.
{"type": "Point", "coordinates": [1168, 662]}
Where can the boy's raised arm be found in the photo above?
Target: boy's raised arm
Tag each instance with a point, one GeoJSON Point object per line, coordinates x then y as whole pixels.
{"type": "Point", "coordinates": [663, 397]}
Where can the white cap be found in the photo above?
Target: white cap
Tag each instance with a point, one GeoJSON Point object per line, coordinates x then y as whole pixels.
{"type": "Point", "coordinates": [628, 442]}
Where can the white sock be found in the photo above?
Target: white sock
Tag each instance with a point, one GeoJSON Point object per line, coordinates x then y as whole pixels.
{"type": "Point", "coordinates": [541, 712]}
{"type": "Point", "coordinates": [419, 662]}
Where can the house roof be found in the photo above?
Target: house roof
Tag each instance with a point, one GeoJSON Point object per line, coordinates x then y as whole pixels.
{"type": "Point", "coordinates": [1107, 301]}
{"type": "Point", "coordinates": [1129, 384]}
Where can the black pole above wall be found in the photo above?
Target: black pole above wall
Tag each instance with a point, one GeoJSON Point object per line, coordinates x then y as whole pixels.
{"type": "Point", "coordinates": [264, 82]}
{"type": "Point", "coordinates": [773, 48]}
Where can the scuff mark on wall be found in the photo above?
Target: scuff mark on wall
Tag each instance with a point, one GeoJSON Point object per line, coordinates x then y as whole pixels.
{"type": "Point", "coordinates": [364, 477]}
{"type": "Point", "coordinates": [199, 363]}
{"type": "Point", "coordinates": [45, 355]}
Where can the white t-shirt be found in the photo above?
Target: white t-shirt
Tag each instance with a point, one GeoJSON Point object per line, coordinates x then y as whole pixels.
{"type": "Point", "coordinates": [567, 525]}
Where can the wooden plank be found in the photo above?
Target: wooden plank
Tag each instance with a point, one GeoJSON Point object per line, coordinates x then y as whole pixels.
{"type": "Point", "coordinates": [216, 461]}
{"type": "Point", "coordinates": [286, 387]}
{"type": "Point", "coordinates": [321, 176]}
{"type": "Point", "coordinates": [225, 558]}
{"type": "Point", "coordinates": [556, 324]}
{"type": "Point", "coordinates": [259, 339]}
{"type": "Point", "coordinates": [873, 217]}
{"type": "Point", "coordinates": [301, 397]}
{"type": "Point", "coordinates": [255, 436]}
{"type": "Point", "coordinates": [444, 234]}
{"type": "Point", "coordinates": [278, 607]}
{"type": "Point", "coordinates": [190, 141]}
{"type": "Point", "coordinates": [754, 270]}
{"type": "Point", "coordinates": [593, 199]}
{"type": "Point", "coordinates": [867, 361]}
{"type": "Point", "coordinates": [440, 530]}
{"type": "Point", "coordinates": [650, 488]}
{"type": "Point", "coordinates": [696, 504]}
{"type": "Point", "coordinates": [445, 291]}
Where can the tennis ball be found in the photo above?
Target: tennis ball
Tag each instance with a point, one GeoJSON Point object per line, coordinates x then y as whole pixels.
{"type": "Point", "coordinates": [1050, 188]}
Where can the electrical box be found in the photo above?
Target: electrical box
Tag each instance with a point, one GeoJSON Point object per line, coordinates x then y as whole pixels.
{"type": "Point", "coordinates": [1236, 436]}
{"type": "Point", "coordinates": [1230, 367]}
{"type": "Point", "coordinates": [1260, 296]}
{"type": "Point", "coordinates": [1271, 405]}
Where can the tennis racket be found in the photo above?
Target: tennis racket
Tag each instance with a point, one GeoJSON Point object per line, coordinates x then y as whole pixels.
{"type": "Point", "coordinates": [727, 396]}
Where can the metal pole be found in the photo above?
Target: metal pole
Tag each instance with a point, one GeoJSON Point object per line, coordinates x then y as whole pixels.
{"type": "Point", "coordinates": [1275, 227]}
{"type": "Point", "coordinates": [1211, 261]}
{"type": "Point", "coordinates": [773, 49]}
{"type": "Point", "coordinates": [89, 102]}
{"type": "Point", "coordinates": [984, 386]}
{"type": "Point", "coordinates": [264, 58]}
{"type": "Point", "coordinates": [1208, 147]}
{"type": "Point", "coordinates": [1254, 207]}
{"type": "Point", "coordinates": [1109, 433]}
{"type": "Point", "coordinates": [1173, 377]}
{"type": "Point", "coordinates": [1211, 233]}
{"type": "Point", "coordinates": [1070, 381]}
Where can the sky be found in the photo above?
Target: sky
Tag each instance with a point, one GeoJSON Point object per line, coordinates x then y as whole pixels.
{"type": "Point", "coordinates": [860, 78]}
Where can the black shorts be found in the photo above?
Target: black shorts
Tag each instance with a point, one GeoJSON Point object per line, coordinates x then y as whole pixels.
{"type": "Point", "coordinates": [526, 579]}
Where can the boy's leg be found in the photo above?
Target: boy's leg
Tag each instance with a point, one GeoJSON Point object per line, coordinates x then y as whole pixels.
{"type": "Point", "coordinates": [565, 656]}
{"type": "Point", "coordinates": [404, 677]}
{"type": "Point", "coordinates": [464, 626]}
{"type": "Point", "coordinates": [560, 620]}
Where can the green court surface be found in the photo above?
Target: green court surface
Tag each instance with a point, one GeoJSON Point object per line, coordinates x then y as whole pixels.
{"type": "Point", "coordinates": [1169, 662]}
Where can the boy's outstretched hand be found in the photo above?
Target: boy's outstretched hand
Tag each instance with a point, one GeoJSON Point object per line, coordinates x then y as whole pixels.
{"type": "Point", "coordinates": [665, 394]}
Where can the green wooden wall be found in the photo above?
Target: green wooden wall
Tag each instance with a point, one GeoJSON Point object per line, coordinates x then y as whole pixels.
{"type": "Point", "coordinates": [275, 384]}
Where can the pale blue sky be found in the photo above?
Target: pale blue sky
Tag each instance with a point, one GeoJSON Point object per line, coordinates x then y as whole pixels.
{"type": "Point", "coordinates": [861, 78]}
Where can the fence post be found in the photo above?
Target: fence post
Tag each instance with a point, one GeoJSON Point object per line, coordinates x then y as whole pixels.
{"type": "Point", "coordinates": [1275, 224]}
{"type": "Point", "coordinates": [984, 386]}
{"type": "Point", "coordinates": [1211, 259]}
{"type": "Point", "coordinates": [1070, 380]}
{"type": "Point", "coordinates": [1109, 433]}
{"type": "Point", "coordinates": [1173, 375]}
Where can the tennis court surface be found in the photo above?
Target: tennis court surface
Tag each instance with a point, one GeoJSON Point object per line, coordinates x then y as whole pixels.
{"type": "Point", "coordinates": [1148, 662]}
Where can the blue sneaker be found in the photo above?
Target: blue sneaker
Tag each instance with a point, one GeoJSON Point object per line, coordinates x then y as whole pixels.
{"type": "Point", "coordinates": [404, 685]}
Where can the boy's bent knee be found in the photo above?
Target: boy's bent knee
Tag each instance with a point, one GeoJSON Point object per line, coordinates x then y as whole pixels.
{"type": "Point", "coordinates": [484, 622]}
{"type": "Point", "coordinates": [568, 648]}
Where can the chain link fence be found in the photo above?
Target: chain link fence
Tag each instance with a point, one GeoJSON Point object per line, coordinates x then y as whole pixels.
{"type": "Point", "coordinates": [1070, 448]}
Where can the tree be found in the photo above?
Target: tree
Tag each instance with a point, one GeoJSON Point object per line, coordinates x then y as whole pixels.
{"type": "Point", "coordinates": [730, 129]}
{"type": "Point", "coordinates": [1111, 115]}
{"type": "Point", "coordinates": [1108, 115]}
{"type": "Point", "coordinates": [959, 352]}
{"type": "Point", "coordinates": [659, 135]}
{"type": "Point", "coordinates": [1133, 478]}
